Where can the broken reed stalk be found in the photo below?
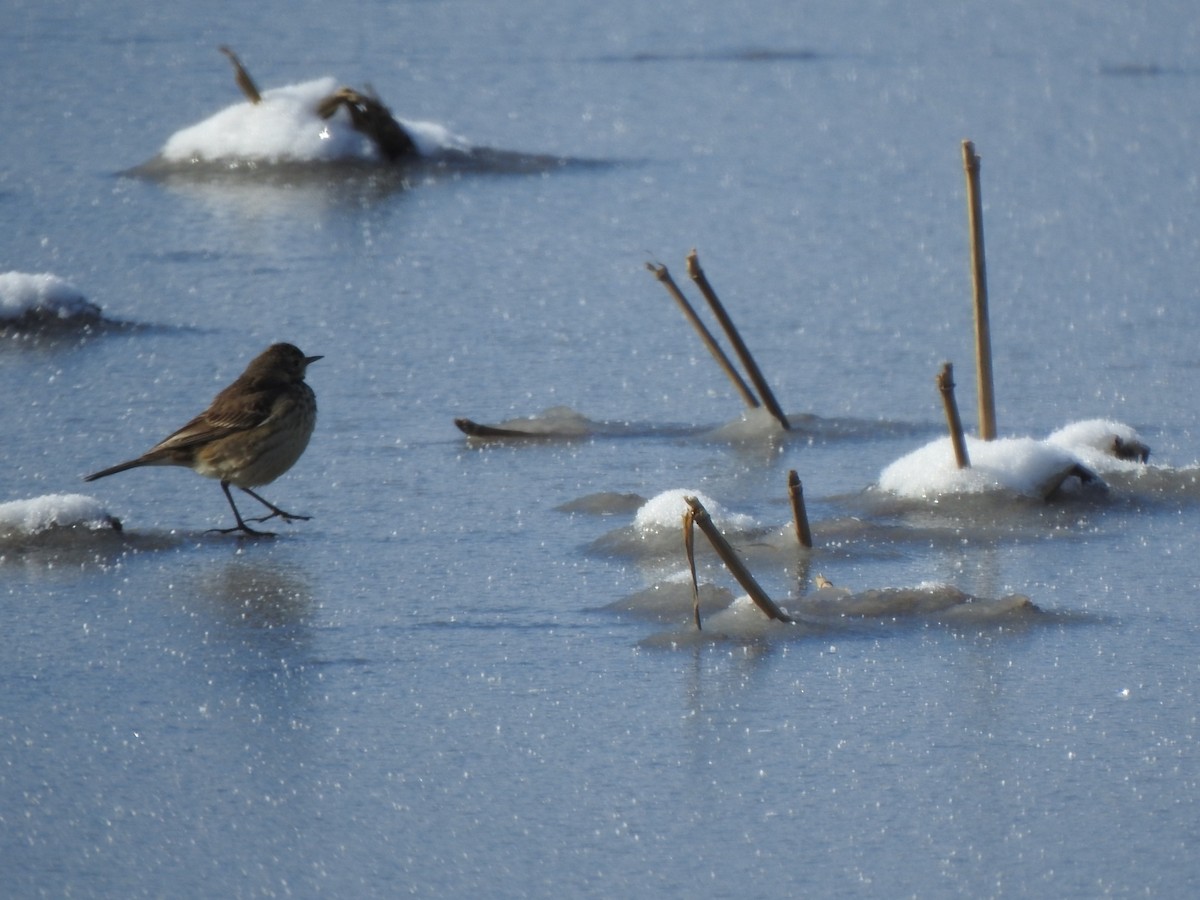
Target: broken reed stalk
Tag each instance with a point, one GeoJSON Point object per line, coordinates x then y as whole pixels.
{"type": "Point", "coordinates": [739, 346]}
{"type": "Point", "coordinates": [661, 273]}
{"type": "Point", "coordinates": [945, 383]}
{"type": "Point", "coordinates": [244, 82]}
{"type": "Point", "coordinates": [983, 335]}
{"type": "Point", "coordinates": [799, 513]}
{"type": "Point", "coordinates": [689, 547]}
{"type": "Point", "coordinates": [736, 567]}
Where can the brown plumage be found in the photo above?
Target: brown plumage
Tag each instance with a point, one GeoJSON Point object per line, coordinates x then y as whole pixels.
{"type": "Point", "coordinates": [251, 433]}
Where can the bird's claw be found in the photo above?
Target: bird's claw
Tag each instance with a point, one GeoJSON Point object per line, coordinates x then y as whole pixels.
{"type": "Point", "coordinates": [245, 529]}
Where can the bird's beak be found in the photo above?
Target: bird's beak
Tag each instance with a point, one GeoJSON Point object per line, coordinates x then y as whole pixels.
{"type": "Point", "coordinates": [309, 360]}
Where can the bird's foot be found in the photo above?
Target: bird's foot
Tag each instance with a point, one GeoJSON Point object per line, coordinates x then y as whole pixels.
{"type": "Point", "coordinates": [275, 510]}
{"type": "Point", "coordinates": [286, 516]}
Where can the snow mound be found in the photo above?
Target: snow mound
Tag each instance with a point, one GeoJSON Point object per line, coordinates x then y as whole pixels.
{"type": "Point", "coordinates": [41, 514]}
{"type": "Point", "coordinates": [1102, 444]}
{"type": "Point", "coordinates": [1022, 466]}
{"type": "Point", "coordinates": [285, 127]}
{"type": "Point", "coordinates": [32, 299]}
{"type": "Point", "coordinates": [665, 512]}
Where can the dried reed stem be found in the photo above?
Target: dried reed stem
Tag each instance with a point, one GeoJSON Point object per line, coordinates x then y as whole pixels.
{"type": "Point", "coordinates": [689, 547]}
{"type": "Point", "coordinates": [661, 273]}
{"type": "Point", "coordinates": [945, 383]}
{"type": "Point", "coordinates": [756, 377]}
{"type": "Point", "coordinates": [983, 335]}
{"type": "Point", "coordinates": [244, 82]}
{"type": "Point", "coordinates": [799, 513]}
{"type": "Point", "coordinates": [736, 567]}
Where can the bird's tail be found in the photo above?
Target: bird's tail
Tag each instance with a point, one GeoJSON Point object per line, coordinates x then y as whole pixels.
{"type": "Point", "coordinates": [120, 467]}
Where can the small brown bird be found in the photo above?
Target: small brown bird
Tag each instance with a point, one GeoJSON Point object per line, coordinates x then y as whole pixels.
{"type": "Point", "coordinates": [251, 433]}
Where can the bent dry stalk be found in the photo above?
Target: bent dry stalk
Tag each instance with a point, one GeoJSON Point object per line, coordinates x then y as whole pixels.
{"type": "Point", "coordinates": [736, 567]}
{"type": "Point", "coordinates": [661, 273]}
{"type": "Point", "coordinates": [756, 377]}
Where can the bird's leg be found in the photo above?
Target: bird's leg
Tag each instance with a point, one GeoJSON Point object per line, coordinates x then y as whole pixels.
{"type": "Point", "coordinates": [241, 525]}
{"type": "Point", "coordinates": [275, 510]}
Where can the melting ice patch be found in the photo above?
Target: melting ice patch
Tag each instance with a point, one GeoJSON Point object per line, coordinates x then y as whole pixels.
{"type": "Point", "coordinates": [943, 602]}
{"type": "Point", "coordinates": [752, 425]}
{"type": "Point", "coordinates": [670, 599]}
{"type": "Point", "coordinates": [432, 138]}
{"type": "Point", "coordinates": [41, 514]}
{"type": "Point", "coordinates": [28, 299]}
{"type": "Point", "coordinates": [285, 127]}
{"type": "Point", "coordinates": [831, 611]}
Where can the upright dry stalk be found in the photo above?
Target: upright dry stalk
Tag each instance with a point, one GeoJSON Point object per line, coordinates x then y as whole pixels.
{"type": "Point", "coordinates": [661, 273]}
{"type": "Point", "coordinates": [983, 335]}
{"type": "Point", "coordinates": [799, 513]}
{"type": "Point", "coordinates": [736, 567]}
{"type": "Point", "coordinates": [689, 548]}
{"type": "Point", "coordinates": [739, 346]}
{"type": "Point", "coordinates": [945, 383]}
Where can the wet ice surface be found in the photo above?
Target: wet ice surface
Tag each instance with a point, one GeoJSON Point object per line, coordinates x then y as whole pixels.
{"type": "Point", "coordinates": [473, 672]}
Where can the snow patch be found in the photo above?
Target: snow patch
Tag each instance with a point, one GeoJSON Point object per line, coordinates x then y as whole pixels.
{"type": "Point", "coordinates": [40, 514]}
{"type": "Point", "coordinates": [26, 297]}
{"type": "Point", "coordinates": [285, 127]}
{"type": "Point", "coordinates": [665, 511]}
{"type": "Point", "coordinates": [1023, 466]}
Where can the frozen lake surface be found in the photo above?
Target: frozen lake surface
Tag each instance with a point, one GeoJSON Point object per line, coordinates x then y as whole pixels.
{"type": "Point", "coordinates": [473, 672]}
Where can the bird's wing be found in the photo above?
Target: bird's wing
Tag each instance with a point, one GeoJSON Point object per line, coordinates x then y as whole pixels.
{"type": "Point", "coordinates": [218, 421]}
